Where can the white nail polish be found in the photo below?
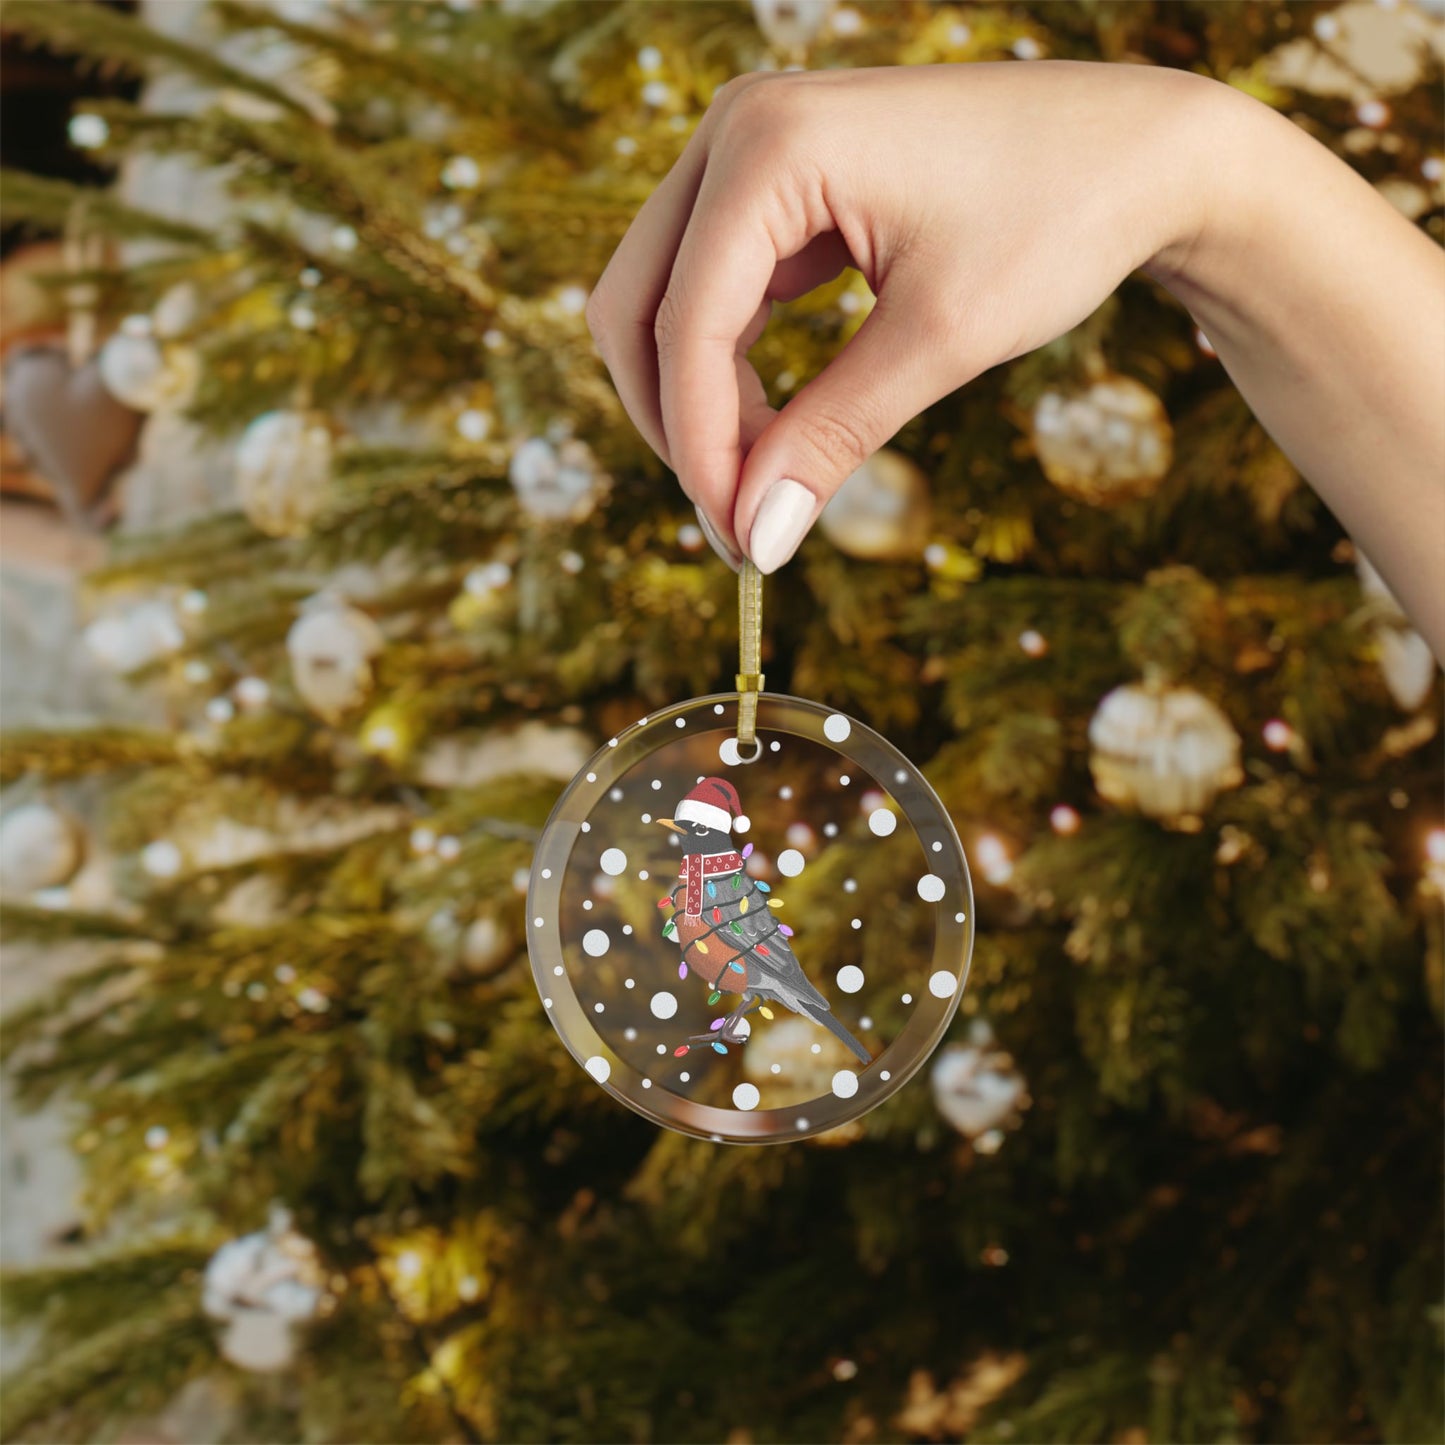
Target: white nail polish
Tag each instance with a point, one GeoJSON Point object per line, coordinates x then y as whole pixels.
{"type": "Point", "coordinates": [716, 542]}
{"type": "Point", "coordinates": [782, 522]}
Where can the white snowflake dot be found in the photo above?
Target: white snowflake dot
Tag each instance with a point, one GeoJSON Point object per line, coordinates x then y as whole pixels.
{"type": "Point", "coordinates": [546, 1003]}
{"type": "Point", "coordinates": [536, 923]}
{"type": "Point", "coordinates": [642, 874]}
{"type": "Point", "coordinates": [647, 1083]}
{"type": "Point", "coordinates": [943, 984]}
{"type": "Point", "coordinates": [558, 970]}
{"type": "Point", "coordinates": [663, 1005]}
{"type": "Point", "coordinates": [817, 1048]}
{"type": "Point", "coordinates": [587, 827]}
{"type": "Point", "coordinates": [791, 862]}
{"type": "Point", "coordinates": [885, 1076]}
{"type": "Point", "coordinates": [930, 888]}
{"type": "Point", "coordinates": [900, 776]}
{"type": "Point", "coordinates": [777, 1068]}
{"type": "Point", "coordinates": [662, 1048]}
{"type": "Point", "coordinates": [908, 998]}
{"type": "Point", "coordinates": [845, 1083]}
{"type": "Point", "coordinates": [656, 785]}
{"type": "Point", "coordinates": [614, 860]}
{"type": "Point", "coordinates": [959, 917]}
{"type": "Point", "coordinates": [801, 1123]}
{"type": "Point", "coordinates": [680, 723]}
{"type": "Point", "coordinates": [546, 873]}
{"type": "Point", "coordinates": [598, 1008]}
{"type": "Point", "coordinates": [717, 707]}
{"type": "Point", "coordinates": [595, 942]}
{"type": "Point", "coordinates": [599, 1068]}
{"type": "Point", "coordinates": [684, 1076]}
{"type": "Point", "coordinates": [882, 822]}
{"type": "Point", "coordinates": [850, 978]}
{"type": "Point", "coordinates": [836, 728]}
{"type": "Point", "coordinates": [728, 752]}
{"type": "Point", "coordinates": [629, 983]}
{"type": "Point", "coordinates": [856, 923]}
{"type": "Point", "coordinates": [746, 1096]}
{"type": "Point", "coordinates": [591, 777]}
{"type": "Point", "coordinates": [775, 746]}
{"type": "Point", "coordinates": [938, 847]}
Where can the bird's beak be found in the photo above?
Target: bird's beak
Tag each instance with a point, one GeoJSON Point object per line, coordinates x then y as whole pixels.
{"type": "Point", "coordinates": [667, 823]}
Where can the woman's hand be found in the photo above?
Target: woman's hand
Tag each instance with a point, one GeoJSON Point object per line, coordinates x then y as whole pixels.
{"type": "Point", "coordinates": [990, 208]}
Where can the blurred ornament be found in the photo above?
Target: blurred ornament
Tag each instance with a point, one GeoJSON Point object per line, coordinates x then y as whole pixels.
{"type": "Point", "coordinates": [283, 470]}
{"type": "Point", "coordinates": [1165, 751]}
{"type": "Point", "coordinates": [1435, 859]}
{"type": "Point", "coordinates": [795, 1059]}
{"type": "Point", "coordinates": [252, 692]}
{"type": "Point", "coordinates": [792, 25]}
{"type": "Point", "coordinates": [976, 1087]}
{"type": "Point", "coordinates": [1405, 658]}
{"type": "Point", "coordinates": [87, 131]}
{"type": "Point", "coordinates": [161, 859]}
{"type": "Point", "coordinates": [331, 647]}
{"type": "Point", "coordinates": [555, 482]}
{"type": "Point", "coordinates": [993, 859]}
{"type": "Point", "coordinates": [65, 420]}
{"type": "Point", "coordinates": [1033, 643]}
{"type": "Point", "coordinates": [1109, 443]}
{"type": "Point", "coordinates": [262, 1286]}
{"type": "Point", "coordinates": [135, 637]}
{"type": "Point", "coordinates": [461, 173]}
{"type": "Point", "coordinates": [142, 373]}
{"type": "Point", "coordinates": [882, 512]}
{"type": "Point", "coordinates": [1278, 735]}
{"type": "Point", "coordinates": [474, 425]}
{"type": "Point", "coordinates": [486, 946]}
{"type": "Point", "coordinates": [1064, 820]}
{"type": "Point", "coordinates": [40, 847]}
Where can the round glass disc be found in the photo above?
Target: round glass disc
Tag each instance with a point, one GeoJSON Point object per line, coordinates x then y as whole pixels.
{"type": "Point", "coordinates": [750, 946]}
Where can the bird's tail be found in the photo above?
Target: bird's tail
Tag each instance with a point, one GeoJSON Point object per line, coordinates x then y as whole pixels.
{"type": "Point", "coordinates": [825, 1017]}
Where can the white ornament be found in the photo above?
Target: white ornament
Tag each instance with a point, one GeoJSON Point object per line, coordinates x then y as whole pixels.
{"type": "Point", "coordinates": [881, 512]}
{"type": "Point", "coordinates": [283, 470]}
{"type": "Point", "coordinates": [261, 1286]}
{"type": "Point", "coordinates": [40, 847]}
{"type": "Point", "coordinates": [1406, 661]}
{"type": "Point", "coordinates": [792, 25]}
{"type": "Point", "coordinates": [139, 372]}
{"type": "Point", "coordinates": [331, 647]}
{"type": "Point", "coordinates": [1165, 751]}
{"type": "Point", "coordinates": [1108, 443]}
{"type": "Point", "coordinates": [555, 482]}
{"type": "Point", "coordinates": [87, 131]}
{"type": "Point", "coordinates": [135, 637]}
{"type": "Point", "coordinates": [976, 1087]}
{"type": "Point", "coordinates": [486, 945]}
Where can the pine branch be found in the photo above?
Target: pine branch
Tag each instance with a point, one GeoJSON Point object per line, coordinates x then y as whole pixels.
{"type": "Point", "coordinates": [116, 40]}
{"type": "Point", "coordinates": [51, 204]}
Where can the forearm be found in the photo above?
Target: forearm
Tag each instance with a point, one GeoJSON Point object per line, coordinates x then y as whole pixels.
{"type": "Point", "coordinates": [1327, 309]}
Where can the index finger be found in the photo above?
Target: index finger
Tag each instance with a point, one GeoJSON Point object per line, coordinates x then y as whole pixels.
{"type": "Point", "coordinates": [719, 284]}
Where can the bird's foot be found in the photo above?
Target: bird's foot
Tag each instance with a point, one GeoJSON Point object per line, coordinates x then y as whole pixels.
{"type": "Point", "coordinates": [720, 1040]}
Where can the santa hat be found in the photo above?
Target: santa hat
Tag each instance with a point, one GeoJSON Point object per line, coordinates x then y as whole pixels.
{"type": "Point", "coordinates": [714, 803]}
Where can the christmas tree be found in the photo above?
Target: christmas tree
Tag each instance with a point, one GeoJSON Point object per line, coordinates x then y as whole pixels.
{"type": "Point", "coordinates": [1176, 1175]}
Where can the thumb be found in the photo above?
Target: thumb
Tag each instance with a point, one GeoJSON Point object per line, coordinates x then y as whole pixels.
{"type": "Point", "coordinates": [901, 360]}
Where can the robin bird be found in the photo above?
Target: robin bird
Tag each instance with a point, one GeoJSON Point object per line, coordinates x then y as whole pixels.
{"type": "Point", "coordinates": [727, 927]}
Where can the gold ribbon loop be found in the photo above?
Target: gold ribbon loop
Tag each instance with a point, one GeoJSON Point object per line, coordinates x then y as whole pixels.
{"type": "Point", "coordinates": [750, 655]}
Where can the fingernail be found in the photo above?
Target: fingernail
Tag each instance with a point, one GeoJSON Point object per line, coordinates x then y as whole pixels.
{"type": "Point", "coordinates": [781, 524]}
{"type": "Point", "coordinates": [716, 542]}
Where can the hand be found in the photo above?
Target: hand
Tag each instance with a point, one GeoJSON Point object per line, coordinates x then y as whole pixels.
{"type": "Point", "coordinates": [990, 207]}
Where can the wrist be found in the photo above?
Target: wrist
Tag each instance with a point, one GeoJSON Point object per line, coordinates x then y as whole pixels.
{"type": "Point", "coordinates": [1218, 141]}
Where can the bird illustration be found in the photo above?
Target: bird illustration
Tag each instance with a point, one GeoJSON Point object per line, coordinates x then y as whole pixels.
{"type": "Point", "coordinates": [727, 925]}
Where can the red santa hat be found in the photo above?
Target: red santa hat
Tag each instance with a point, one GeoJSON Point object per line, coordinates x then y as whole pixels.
{"type": "Point", "coordinates": [714, 803]}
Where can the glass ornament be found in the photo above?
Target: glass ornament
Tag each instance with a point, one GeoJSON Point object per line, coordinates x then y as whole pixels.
{"type": "Point", "coordinates": [693, 898]}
